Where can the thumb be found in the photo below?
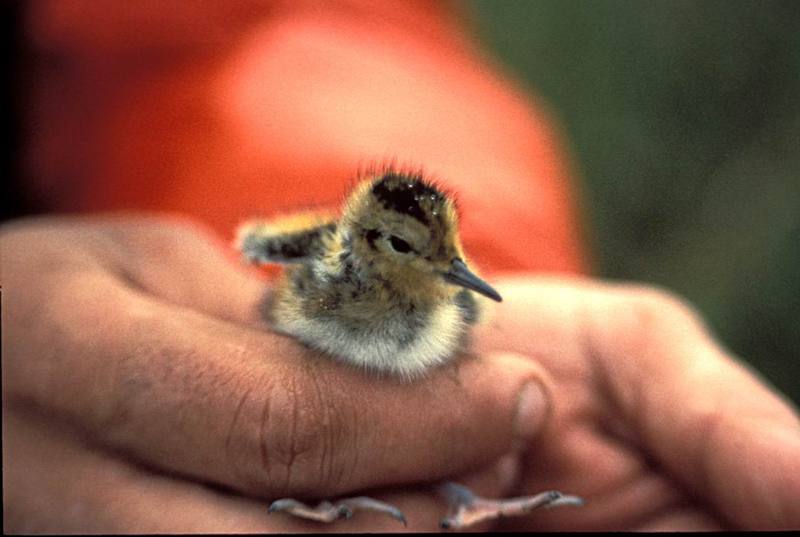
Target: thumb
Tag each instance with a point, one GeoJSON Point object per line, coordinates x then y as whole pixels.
{"type": "Point", "coordinates": [533, 401]}
{"type": "Point", "coordinates": [458, 419]}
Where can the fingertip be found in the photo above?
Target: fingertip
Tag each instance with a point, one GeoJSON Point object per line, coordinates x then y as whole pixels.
{"type": "Point", "coordinates": [523, 379]}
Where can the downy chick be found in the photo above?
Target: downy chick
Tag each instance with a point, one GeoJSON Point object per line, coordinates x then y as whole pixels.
{"type": "Point", "coordinates": [385, 287]}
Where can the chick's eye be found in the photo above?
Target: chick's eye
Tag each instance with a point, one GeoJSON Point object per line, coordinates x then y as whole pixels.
{"type": "Point", "coordinates": [399, 245]}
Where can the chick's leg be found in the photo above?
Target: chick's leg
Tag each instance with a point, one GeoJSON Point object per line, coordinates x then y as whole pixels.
{"type": "Point", "coordinates": [468, 509]}
{"type": "Point", "coordinates": [326, 511]}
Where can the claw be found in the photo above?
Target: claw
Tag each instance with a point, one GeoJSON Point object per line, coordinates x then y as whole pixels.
{"type": "Point", "coordinates": [467, 509]}
{"type": "Point", "coordinates": [369, 504]}
{"type": "Point", "coordinates": [327, 512]}
{"type": "Point", "coordinates": [565, 499]}
{"type": "Point", "coordinates": [324, 511]}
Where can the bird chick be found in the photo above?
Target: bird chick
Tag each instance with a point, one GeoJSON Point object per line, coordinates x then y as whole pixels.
{"type": "Point", "coordinates": [384, 287]}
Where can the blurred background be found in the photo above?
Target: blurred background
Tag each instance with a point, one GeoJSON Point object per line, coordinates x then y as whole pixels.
{"type": "Point", "coordinates": [683, 119]}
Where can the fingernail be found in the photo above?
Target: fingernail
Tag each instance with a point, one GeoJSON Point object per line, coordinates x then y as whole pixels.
{"type": "Point", "coordinates": [531, 411]}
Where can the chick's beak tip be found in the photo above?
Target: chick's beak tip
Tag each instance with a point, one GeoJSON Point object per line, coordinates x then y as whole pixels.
{"type": "Point", "coordinates": [460, 275]}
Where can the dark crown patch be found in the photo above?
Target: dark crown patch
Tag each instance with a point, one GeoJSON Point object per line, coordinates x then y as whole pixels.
{"type": "Point", "coordinates": [408, 195]}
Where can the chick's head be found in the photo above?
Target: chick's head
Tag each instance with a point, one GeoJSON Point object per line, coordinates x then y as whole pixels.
{"type": "Point", "coordinates": [406, 230]}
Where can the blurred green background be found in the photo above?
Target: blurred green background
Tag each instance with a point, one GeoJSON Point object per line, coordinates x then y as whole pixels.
{"type": "Point", "coordinates": [683, 120]}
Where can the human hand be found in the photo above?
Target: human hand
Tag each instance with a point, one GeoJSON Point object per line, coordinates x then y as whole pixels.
{"type": "Point", "coordinates": [125, 404]}
{"type": "Point", "coordinates": [653, 423]}
{"type": "Point", "coordinates": [143, 393]}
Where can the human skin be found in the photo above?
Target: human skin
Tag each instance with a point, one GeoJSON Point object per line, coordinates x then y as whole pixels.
{"type": "Point", "coordinates": [142, 392]}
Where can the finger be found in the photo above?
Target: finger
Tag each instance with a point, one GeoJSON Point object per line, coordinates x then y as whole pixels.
{"type": "Point", "coordinates": [176, 260]}
{"type": "Point", "coordinates": [681, 519]}
{"type": "Point", "coordinates": [252, 410]}
{"type": "Point", "coordinates": [55, 483]}
{"type": "Point", "coordinates": [708, 418]}
{"type": "Point", "coordinates": [639, 362]}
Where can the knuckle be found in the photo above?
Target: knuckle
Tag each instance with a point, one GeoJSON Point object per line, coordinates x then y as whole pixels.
{"type": "Point", "coordinates": [638, 321]}
{"type": "Point", "coordinates": [302, 437]}
{"type": "Point", "coordinates": [653, 320]}
{"type": "Point", "coordinates": [653, 306]}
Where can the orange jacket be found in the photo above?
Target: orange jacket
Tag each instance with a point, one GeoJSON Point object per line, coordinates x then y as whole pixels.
{"type": "Point", "coordinates": [229, 110]}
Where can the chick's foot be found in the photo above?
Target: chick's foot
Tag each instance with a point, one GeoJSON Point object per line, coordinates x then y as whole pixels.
{"type": "Point", "coordinates": [326, 511]}
{"type": "Point", "coordinates": [468, 509]}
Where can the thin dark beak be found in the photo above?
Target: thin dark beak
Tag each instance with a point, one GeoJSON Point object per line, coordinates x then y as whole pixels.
{"type": "Point", "coordinates": [459, 274]}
